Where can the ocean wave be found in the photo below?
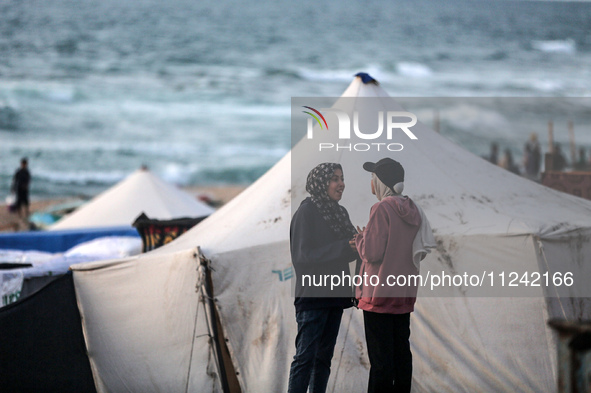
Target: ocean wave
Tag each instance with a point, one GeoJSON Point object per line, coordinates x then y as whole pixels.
{"type": "Point", "coordinates": [230, 175]}
{"type": "Point", "coordinates": [413, 69]}
{"type": "Point", "coordinates": [9, 117]}
{"type": "Point", "coordinates": [344, 76]}
{"type": "Point", "coordinates": [61, 93]}
{"type": "Point", "coordinates": [476, 120]}
{"type": "Point", "coordinates": [171, 173]}
{"type": "Point", "coordinates": [85, 148]}
{"type": "Point", "coordinates": [555, 46]}
{"type": "Point", "coordinates": [68, 46]}
{"type": "Point", "coordinates": [79, 177]}
{"type": "Point", "coordinates": [65, 96]}
{"type": "Point", "coordinates": [497, 56]}
{"type": "Point", "coordinates": [178, 174]}
{"type": "Point", "coordinates": [534, 86]}
{"type": "Point", "coordinates": [326, 75]}
{"type": "Point", "coordinates": [282, 72]}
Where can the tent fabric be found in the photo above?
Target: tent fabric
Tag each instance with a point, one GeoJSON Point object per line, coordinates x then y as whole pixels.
{"type": "Point", "coordinates": [42, 343]}
{"type": "Point", "coordinates": [11, 285]}
{"type": "Point", "coordinates": [59, 241]}
{"type": "Point", "coordinates": [121, 204]}
{"type": "Point", "coordinates": [145, 325]}
{"type": "Point", "coordinates": [482, 216]}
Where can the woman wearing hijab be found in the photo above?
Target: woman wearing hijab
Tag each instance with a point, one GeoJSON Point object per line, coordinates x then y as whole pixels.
{"type": "Point", "coordinates": [321, 240]}
{"type": "Point", "coordinates": [386, 249]}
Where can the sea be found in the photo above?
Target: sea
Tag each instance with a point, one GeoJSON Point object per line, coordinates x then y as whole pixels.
{"type": "Point", "coordinates": [200, 91]}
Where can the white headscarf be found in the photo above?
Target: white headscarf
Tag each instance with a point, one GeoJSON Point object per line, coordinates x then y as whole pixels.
{"type": "Point", "coordinates": [382, 190]}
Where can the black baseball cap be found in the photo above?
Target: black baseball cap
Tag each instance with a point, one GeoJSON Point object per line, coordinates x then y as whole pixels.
{"type": "Point", "coordinates": [387, 170]}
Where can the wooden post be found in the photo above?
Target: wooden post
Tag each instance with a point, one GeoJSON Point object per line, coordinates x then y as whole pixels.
{"type": "Point", "coordinates": [550, 136]}
{"type": "Point", "coordinates": [573, 147]}
{"type": "Point", "coordinates": [549, 157]}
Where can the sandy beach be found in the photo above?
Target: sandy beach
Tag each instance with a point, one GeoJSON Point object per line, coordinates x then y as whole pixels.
{"type": "Point", "coordinates": [10, 222]}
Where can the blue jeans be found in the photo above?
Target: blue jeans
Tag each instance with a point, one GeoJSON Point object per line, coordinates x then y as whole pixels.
{"type": "Point", "coordinates": [317, 335]}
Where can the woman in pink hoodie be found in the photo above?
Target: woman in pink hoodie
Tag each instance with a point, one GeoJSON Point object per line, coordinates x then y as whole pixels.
{"type": "Point", "coordinates": [385, 296]}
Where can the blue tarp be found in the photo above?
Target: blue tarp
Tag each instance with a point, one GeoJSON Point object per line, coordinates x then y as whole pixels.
{"type": "Point", "coordinates": [59, 241]}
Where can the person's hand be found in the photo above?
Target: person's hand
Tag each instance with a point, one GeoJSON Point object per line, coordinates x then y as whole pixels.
{"type": "Point", "coordinates": [353, 245]}
{"type": "Point", "coordinates": [360, 230]}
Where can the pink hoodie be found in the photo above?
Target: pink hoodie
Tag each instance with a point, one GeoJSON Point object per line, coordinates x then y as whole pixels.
{"type": "Point", "coordinates": [385, 248]}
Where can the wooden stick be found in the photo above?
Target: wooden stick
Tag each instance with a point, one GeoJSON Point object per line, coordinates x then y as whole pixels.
{"type": "Point", "coordinates": [573, 146]}
{"type": "Point", "coordinates": [550, 136]}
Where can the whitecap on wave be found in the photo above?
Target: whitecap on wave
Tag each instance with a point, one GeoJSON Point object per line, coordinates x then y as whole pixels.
{"type": "Point", "coordinates": [80, 177]}
{"type": "Point", "coordinates": [413, 69]}
{"type": "Point", "coordinates": [326, 75]}
{"type": "Point", "coordinates": [555, 46]}
{"type": "Point", "coordinates": [344, 76]}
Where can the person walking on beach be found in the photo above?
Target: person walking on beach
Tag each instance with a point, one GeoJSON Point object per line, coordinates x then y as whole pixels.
{"type": "Point", "coordinates": [20, 186]}
{"type": "Point", "coordinates": [582, 163]}
{"type": "Point", "coordinates": [559, 159]}
{"type": "Point", "coordinates": [321, 241]}
{"type": "Point", "coordinates": [493, 157]}
{"type": "Point", "coordinates": [532, 156]}
{"type": "Point", "coordinates": [508, 163]}
{"type": "Point", "coordinates": [395, 240]}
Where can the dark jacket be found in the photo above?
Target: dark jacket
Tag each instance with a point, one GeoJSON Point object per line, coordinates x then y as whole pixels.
{"type": "Point", "coordinates": [316, 251]}
{"type": "Point", "coordinates": [20, 181]}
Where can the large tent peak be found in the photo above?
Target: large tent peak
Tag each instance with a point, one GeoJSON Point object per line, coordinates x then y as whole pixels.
{"type": "Point", "coordinates": [366, 78]}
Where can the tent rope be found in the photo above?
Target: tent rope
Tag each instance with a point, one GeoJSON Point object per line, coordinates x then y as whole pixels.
{"type": "Point", "coordinates": [342, 351]}
{"type": "Point", "coordinates": [198, 289]}
{"type": "Point", "coordinates": [205, 297]}
{"type": "Point", "coordinates": [208, 323]}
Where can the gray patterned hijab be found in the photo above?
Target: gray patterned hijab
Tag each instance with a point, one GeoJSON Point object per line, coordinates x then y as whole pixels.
{"type": "Point", "coordinates": [334, 214]}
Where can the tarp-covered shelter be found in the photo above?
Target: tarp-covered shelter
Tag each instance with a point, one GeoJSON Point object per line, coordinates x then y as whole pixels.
{"type": "Point", "coordinates": [149, 329]}
{"type": "Point", "coordinates": [141, 192]}
{"type": "Point", "coordinates": [42, 344]}
{"type": "Point", "coordinates": [23, 272]}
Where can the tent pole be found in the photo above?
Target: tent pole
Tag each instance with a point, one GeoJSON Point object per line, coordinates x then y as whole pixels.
{"type": "Point", "coordinates": [573, 146]}
{"type": "Point", "coordinates": [228, 373]}
{"type": "Point", "coordinates": [550, 137]}
{"type": "Point", "coordinates": [208, 283]}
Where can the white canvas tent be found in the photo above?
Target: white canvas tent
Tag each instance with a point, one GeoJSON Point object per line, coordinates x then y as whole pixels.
{"type": "Point", "coordinates": [148, 328]}
{"type": "Point", "coordinates": [120, 205]}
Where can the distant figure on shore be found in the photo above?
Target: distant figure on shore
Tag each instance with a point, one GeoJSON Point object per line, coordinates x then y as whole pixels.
{"type": "Point", "coordinates": [493, 158]}
{"type": "Point", "coordinates": [508, 163]}
{"type": "Point", "coordinates": [582, 164]}
{"type": "Point", "coordinates": [20, 186]}
{"type": "Point", "coordinates": [532, 157]}
{"type": "Point", "coordinates": [559, 159]}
